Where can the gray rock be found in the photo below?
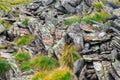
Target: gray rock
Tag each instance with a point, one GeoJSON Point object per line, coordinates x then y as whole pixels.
{"type": "Point", "coordinates": [78, 66]}
{"type": "Point", "coordinates": [69, 8]}
{"type": "Point", "coordinates": [33, 6]}
{"type": "Point", "coordinates": [75, 2]}
{"type": "Point", "coordinates": [50, 2]}
{"type": "Point", "coordinates": [102, 34]}
{"type": "Point", "coordinates": [37, 1]}
{"type": "Point", "coordinates": [116, 66]}
{"type": "Point", "coordinates": [116, 12]}
{"type": "Point", "coordinates": [74, 28]}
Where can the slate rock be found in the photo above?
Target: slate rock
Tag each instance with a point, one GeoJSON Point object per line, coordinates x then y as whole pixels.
{"type": "Point", "coordinates": [78, 66]}
{"type": "Point", "coordinates": [69, 8]}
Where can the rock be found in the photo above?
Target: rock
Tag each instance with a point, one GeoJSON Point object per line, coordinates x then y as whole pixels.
{"type": "Point", "coordinates": [58, 47]}
{"type": "Point", "coordinates": [2, 28]}
{"type": "Point", "coordinates": [59, 34]}
{"type": "Point", "coordinates": [114, 6]}
{"type": "Point", "coordinates": [98, 68]}
{"type": "Point", "coordinates": [116, 12]}
{"type": "Point", "coordinates": [5, 55]}
{"type": "Point", "coordinates": [74, 28]}
{"type": "Point", "coordinates": [75, 2]}
{"type": "Point", "coordinates": [33, 6]}
{"type": "Point", "coordinates": [50, 2]}
{"type": "Point", "coordinates": [69, 8]}
{"type": "Point", "coordinates": [102, 34]}
{"type": "Point", "coordinates": [116, 66]}
{"type": "Point", "coordinates": [37, 1]}
{"type": "Point", "coordinates": [78, 65]}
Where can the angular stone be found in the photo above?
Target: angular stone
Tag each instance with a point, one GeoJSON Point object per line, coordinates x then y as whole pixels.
{"type": "Point", "coordinates": [69, 8]}
{"type": "Point", "coordinates": [33, 6]}
{"type": "Point", "coordinates": [116, 66]}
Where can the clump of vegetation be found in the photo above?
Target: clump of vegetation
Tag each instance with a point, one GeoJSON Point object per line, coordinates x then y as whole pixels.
{"type": "Point", "coordinates": [25, 66]}
{"type": "Point", "coordinates": [7, 5]}
{"type": "Point", "coordinates": [96, 16]}
{"type": "Point", "coordinates": [98, 5]}
{"type": "Point", "coordinates": [4, 67]}
{"type": "Point", "coordinates": [44, 63]}
{"type": "Point", "coordinates": [24, 40]}
{"type": "Point", "coordinates": [23, 60]}
{"type": "Point", "coordinates": [25, 21]}
{"type": "Point", "coordinates": [22, 57]}
{"type": "Point", "coordinates": [59, 74]}
{"type": "Point", "coordinates": [74, 19]}
{"type": "Point", "coordinates": [69, 56]}
{"type": "Point", "coordinates": [39, 75]}
{"type": "Point", "coordinates": [6, 24]}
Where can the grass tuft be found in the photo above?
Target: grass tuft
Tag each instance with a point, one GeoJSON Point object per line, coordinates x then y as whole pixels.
{"type": "Point", "coordinates": [25, 21]}
{"type": "Point", "coordinates": [44, 63]}
{"type": "Point", "coordinates": [23, 60]}
{"type": "Point", "coordinates": [98, 5]}
{"type": "Point", "coordinates": [73, 19]}
{"type": "Point", "coordinates": [24, 40]}
{"type": "Point", "coordinates": [39, 75]}
{"type": "Point", "coordinates": [59, 74]}
{"type": "Point", "coordinates": [4, 67]}
{"type": "Point", "coordinates": [69, 56]}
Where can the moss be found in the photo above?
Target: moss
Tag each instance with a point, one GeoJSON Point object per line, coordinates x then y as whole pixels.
{"type": "Point", "coordinates": [59, 74]}
{"type": "Point", "coordinates": [39, 75]}
{"type": "Point", "coordinates": [73, 19]}
{"type": "Point", "coordinates": [24, 40]}
{"type": "Point", "coordinates": [4, 67]}
{"type": "Point", "coordinates": [69, 56]}
{"type": "Point", "coordinates": [44, 63]}
{"type": "Point", "coordinates": [25, 21]}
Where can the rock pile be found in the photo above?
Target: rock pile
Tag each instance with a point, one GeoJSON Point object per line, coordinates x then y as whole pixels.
{"type": "Point", "coordinates": [43, 20]}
